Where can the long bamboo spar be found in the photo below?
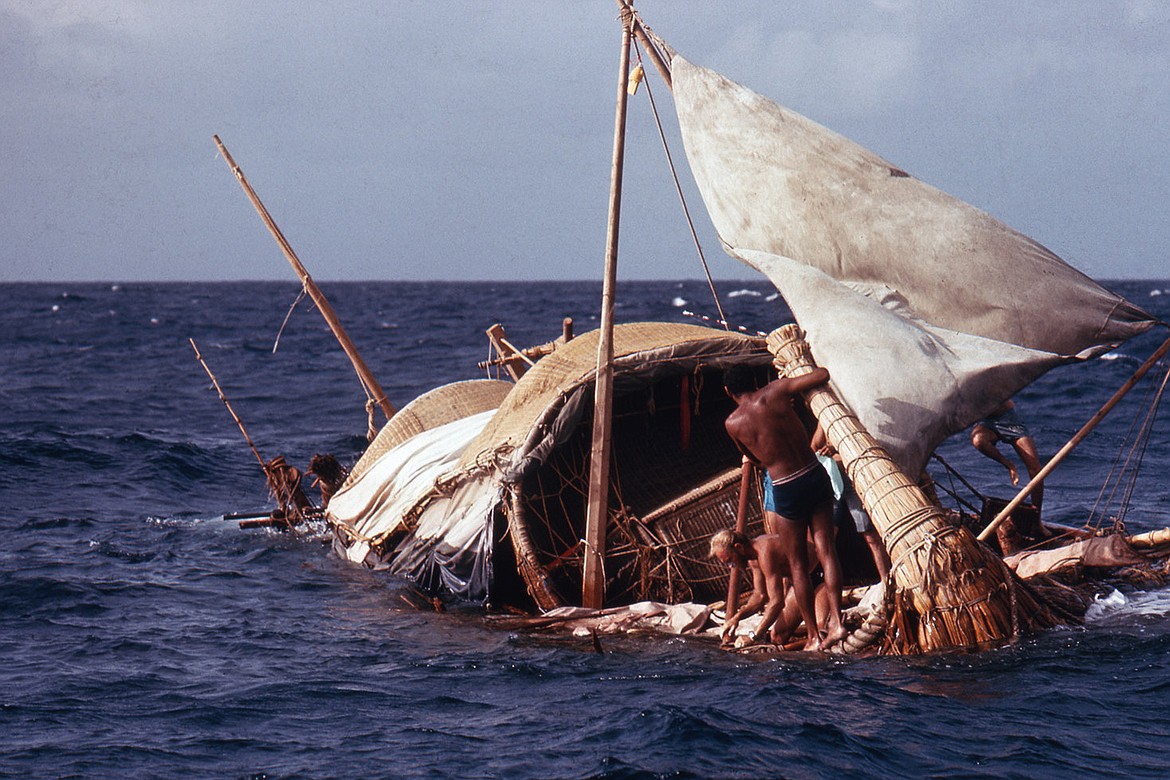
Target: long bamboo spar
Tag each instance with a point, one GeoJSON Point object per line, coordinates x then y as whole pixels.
{"type": "Point", "coordinates": [365, 376]}
{"type": "Point", "coordinates": [593, 584]}
{"type": "Point", "coordinates": [231, 411]}
{"type": "Point", "coordinates": [1075, 440]}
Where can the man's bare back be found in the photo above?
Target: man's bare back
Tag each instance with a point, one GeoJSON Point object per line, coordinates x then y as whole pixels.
{"type": "Point", "coordinates": [766, 427]}
{"type": "Point", "coordinates": [798, 499]}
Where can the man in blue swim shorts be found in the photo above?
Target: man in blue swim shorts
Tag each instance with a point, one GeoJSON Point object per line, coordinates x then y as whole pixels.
{"type": "Point", "coordinates": [798, 497]}
{"type": "Point", "coordinates": [1004, 424]}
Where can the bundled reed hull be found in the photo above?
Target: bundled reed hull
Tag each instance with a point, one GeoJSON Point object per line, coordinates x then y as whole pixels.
{"type": "Point", "coordinates": [950, 591]}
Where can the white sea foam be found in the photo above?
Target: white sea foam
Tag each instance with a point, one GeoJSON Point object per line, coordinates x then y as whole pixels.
{"type": "Point", "coordinates": [739, 293]}
{"type": "Point", "coordinates": [1116, 604]}
{"type": "Point", "coordinates": [678, 302]}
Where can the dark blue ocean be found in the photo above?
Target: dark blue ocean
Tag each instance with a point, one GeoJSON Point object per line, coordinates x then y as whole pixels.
{"type": "Point", "coordinates": [143, 635]}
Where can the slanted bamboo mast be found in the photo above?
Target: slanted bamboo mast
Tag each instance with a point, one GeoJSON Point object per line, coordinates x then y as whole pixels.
{"type": "Point", "coordinates": [284, 481]}
{"type": "Point", "coordinates": [950, 591]}
{"type": "Point", "coordinates": [227, 403]}
{"type": "Point", "coordinates": [365, 375]}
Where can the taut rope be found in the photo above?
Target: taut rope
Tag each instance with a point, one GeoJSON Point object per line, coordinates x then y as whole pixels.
{"type": "Point", "coordinates": [681, 197]}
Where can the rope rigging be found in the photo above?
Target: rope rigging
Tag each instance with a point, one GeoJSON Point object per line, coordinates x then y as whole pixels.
{"type": "Point", "coordinates": [681, 196]}
{"type": "Point", "coordinates": [1122, 477]}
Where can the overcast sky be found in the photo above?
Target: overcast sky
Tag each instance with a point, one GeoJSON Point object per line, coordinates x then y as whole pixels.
{"type": "Point", "coordinates": [472, 140]}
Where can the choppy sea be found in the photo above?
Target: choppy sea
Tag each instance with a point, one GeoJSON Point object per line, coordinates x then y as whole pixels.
{"type": "Point", "coordinates": [143, 635]}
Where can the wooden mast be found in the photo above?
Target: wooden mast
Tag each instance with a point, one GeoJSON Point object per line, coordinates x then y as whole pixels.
{"type": "Point", "coordinates": [639, 30]}
{"type": "Point", "coordinates": [365, 376]}
{"type": "Point", "coordinates": [597, 514]}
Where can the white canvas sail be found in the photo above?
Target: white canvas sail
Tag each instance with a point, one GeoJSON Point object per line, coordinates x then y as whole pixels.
{"type": "Point", "coordinates": [927, 311]}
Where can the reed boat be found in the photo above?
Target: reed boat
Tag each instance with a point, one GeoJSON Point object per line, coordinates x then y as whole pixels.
{"type": "Point", "coordinates": [596, 478]}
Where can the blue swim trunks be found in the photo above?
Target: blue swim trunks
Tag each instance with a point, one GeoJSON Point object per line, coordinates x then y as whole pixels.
{"type": "Point", "coordinates": [799, 495]}
{"type": "Point", "coordinates": [1007, 426]}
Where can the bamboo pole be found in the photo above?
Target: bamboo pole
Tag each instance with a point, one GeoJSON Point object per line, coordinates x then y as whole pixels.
{"type": "Point", "coordinates": [747, 471]}
{"type": "Point", "coordinates": [1150, 539]}
{"type": "Point", "coordinates": [951, 591]}
{"type": "Point", "coordinates": [231, 411]}
{"type": "Point", "coordinates": [1076, 439]}
{"type": "Point", "coordinates": [593, 584]}
{"type": "Point", "coordinates": [365, 376]}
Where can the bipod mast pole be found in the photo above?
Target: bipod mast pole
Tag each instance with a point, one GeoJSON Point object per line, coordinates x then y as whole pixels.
{"type": "Point", "coordinates": [365, 376]}
{"type": "Point", "coordinates": [284, 495]}
{"type": "Point", "coordinates": [597, 513]}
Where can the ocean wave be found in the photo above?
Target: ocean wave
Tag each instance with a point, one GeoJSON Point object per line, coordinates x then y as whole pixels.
{"type": "Point", "coordinates": [55, 523]}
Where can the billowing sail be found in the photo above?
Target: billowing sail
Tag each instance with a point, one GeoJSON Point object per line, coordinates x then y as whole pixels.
{"type": "Point", "coordinates": [927, 311]}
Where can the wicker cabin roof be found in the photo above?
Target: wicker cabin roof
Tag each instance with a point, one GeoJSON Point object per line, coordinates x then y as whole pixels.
{"type": "Point", "coordinates": [639, 348]}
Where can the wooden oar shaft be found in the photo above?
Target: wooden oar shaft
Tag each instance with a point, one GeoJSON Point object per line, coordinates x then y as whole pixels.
{"type": "Point", "coordinates": [363, 371]}
{"type": "Point", "coordinates": [1075, 440]}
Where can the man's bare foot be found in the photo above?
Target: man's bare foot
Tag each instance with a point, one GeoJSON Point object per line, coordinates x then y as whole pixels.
{"type": "Point", "coordinates": [1015, 475]}
{"type": "Point", "coordinates": [834, 636]}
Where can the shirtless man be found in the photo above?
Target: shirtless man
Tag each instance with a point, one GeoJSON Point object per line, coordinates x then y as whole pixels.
{"type": "Point", "coordinates": [766, 559]}
{"type": "Point", "coordinates": [797, 495]}
{"type": "Point", "coordinates": [1004, 424]}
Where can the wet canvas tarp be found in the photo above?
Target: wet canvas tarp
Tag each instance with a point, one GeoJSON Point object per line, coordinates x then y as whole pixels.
{"type": "Point", "coordinates": [927, 311]}
{"type": "Point", "coordinates": [451, 539]}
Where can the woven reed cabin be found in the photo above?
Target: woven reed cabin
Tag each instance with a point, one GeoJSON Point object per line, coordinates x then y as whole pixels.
{"type": "Point", "coordinates": [478, 489]}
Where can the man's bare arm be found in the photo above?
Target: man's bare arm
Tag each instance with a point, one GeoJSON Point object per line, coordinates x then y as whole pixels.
{"type": "Point", "coordinates": [754, 602]}
{"type": "Point", "coordinates": [798, 384]}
